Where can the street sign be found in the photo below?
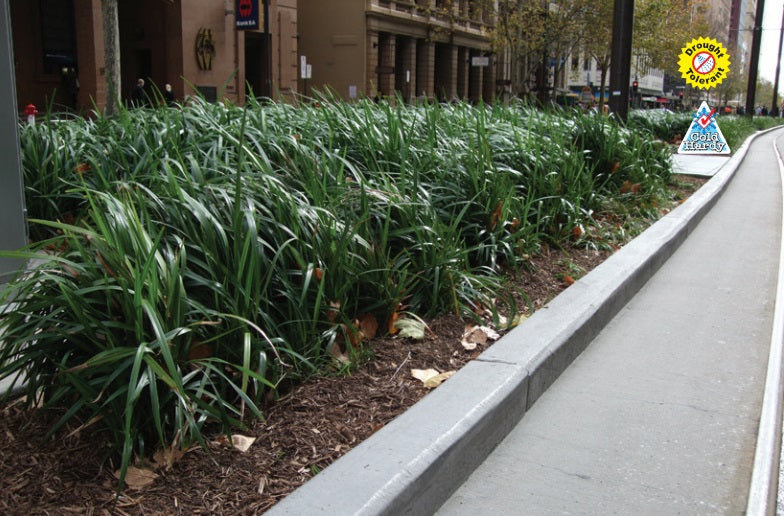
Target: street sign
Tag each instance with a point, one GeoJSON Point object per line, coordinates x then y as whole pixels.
{"type": "Point", "coordinates": [480, 61]}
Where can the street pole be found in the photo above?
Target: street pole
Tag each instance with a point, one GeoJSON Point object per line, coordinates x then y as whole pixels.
{"type": "Point", "coordinates": [623, 20]}
{"type": "Point", "coordinates": [13, 229]}
{"type": "Point", "coordinates": [754, 59]}
{"type": "Point", "coordinates": [774, 111]}
{"type": "Point", "coordinates": [268, 50]}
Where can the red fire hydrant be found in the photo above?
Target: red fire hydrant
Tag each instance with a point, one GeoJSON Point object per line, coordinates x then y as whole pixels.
{"type": "Point", "coordinates": [30, 112]}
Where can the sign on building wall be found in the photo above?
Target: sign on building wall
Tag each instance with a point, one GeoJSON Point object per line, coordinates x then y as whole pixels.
{"type": "Point", "coordinates": [247, 12]}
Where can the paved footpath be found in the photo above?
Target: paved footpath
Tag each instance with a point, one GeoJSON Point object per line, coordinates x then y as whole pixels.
{"type": "Point", "coordinates": [659, 415]}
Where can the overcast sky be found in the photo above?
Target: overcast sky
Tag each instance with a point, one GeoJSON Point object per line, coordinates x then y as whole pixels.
{"type": "Point", "coordinates": [771, 31]}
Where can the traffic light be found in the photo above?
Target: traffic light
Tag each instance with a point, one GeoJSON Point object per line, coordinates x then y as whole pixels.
{"type": "Point", "coordinates": [634, 86]}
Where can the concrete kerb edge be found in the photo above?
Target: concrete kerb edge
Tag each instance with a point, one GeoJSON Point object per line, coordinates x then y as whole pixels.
{"type": "Point", "coordinates": [413, 464]}
{"type": "Point", "coordinates": [764, 483]}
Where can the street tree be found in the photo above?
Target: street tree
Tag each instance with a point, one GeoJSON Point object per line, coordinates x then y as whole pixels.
{"type": "Point", "coordinates": [661, 29]}
{"type": "Point", "coordinates": [111, 50]}
{"type": "Point", "coordinates": [538, 36]}
{"type": "Point", "coordinates": [596, 39]}
{"type": "Point", "coordinates": [764, 92]}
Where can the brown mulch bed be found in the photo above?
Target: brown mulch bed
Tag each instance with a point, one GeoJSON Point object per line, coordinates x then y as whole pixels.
{"type": "Point", "coordinates": [305, 431]}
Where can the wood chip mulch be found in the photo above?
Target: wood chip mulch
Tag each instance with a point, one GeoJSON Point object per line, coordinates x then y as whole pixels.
{"type": "Point", "coordinates": [304, 431]}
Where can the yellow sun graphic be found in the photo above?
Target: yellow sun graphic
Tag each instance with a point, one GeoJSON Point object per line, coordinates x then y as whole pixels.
{"type": "Point", "coordinates": [704, 63]}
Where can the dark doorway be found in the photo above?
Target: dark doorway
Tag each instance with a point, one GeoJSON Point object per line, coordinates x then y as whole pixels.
{"type": "Point", "coordinates": [144, 69]}
{"type": "Point", "coordinates": [402, 66]}
{"type": "Point", "coordinates": [256, 64]}
{"type": "Point", "coordinates": [58, 50]}
{"type": "Point", "coordinates": [443, 72]}
{"type": "Point", "coordinates": [143, 47]}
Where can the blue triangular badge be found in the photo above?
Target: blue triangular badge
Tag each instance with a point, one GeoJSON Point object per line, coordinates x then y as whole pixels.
{"type": "Point", "coordinates": [704, 135]}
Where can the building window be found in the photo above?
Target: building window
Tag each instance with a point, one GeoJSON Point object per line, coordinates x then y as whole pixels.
{"type": "Point", "coordinates": [58, 41]}
{"type": "Point", "coordinates": [587, 63]}
{"type": "Point", "coordinates": [476, 9]}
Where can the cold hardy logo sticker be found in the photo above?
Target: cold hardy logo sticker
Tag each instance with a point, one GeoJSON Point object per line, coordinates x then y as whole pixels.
{"type": "Point", "coordinates": [704, 63]}
{"type": "Point", "coordinates": [704, 135]}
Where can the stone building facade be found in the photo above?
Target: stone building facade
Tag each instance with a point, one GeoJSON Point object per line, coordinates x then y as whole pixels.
{"type": "Point", "coordinates": [434, 49]}
{"type": "Point", "coordinates": [194, 45]}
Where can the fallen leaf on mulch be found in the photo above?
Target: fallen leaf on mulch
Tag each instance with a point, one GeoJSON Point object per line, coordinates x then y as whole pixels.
{"type": "Point", "coordinates": [411, 328]}
{"type": "Point", "coordinates": [241, 442]}
{"type": "Point", "coordinates": [238, 442]}
{"type": "Point", "coordinates": [335, 352]}
{"type": "Point", "coordinates": [165, 458]}
{"type": "Point", "coordinates": [431, 378]}
{"type": "Point", "coordinates": [137, 478]}
{"type": "Point", "coordinates": [475, 335]}
{"type": "Point", "coordinates": [368, 326]}
{"type": "Point", "coordinates": [333, 310]}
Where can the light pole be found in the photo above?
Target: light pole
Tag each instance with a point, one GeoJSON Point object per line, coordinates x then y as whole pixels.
{"type": "Point", "coordinates": [267, 51]}
{"type": "Point", "coordinates": [754, 61]}
{"type": "Point", "coordinates": [774, 110]}
{"type": "Point", "coordinates": [623, 20]}
{"type": "Point", "coordinates": [13, 229]}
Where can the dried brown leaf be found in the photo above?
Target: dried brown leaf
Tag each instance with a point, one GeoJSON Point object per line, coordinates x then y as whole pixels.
{"type": "Point", "coordinates": [368, 325]}
{"type": "Point", "coordinates": [430, 378]}
{"type": "Point", "coordinates": [391, 328]}
{"type": "Point", "coordinates": [338, 354]}
{"type": "Point", "coordinates": [333, 310]}
{"type": "Point", "coordinates": [137, 478]}
{"type": "Point", "coordinates": [200, 352]}
{"type": "Point", "coordinates": [437, 380]}
{"type": "Point", "coordinates": [477, 335]}
{"type": "Point", "coordinates": [166, 458]}
{"type": "Point", "coordinates": [242, 442]}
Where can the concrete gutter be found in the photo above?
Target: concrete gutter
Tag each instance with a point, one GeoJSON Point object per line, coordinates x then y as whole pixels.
{"type": "Point", "coordinates": [415, 463]}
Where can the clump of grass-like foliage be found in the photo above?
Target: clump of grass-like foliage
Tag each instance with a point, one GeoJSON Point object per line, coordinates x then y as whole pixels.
{"type": "Point", "coordinates": [187, 260]}
{"type": "Point", "coordinates": [674, 126]}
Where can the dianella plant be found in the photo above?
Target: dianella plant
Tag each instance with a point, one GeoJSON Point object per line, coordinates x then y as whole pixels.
{"type": "Point", "coordinates": [188, 261]}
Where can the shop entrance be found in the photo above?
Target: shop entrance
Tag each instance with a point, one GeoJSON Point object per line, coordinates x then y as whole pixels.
{"type": "Point", "coordinates": [256, 64]}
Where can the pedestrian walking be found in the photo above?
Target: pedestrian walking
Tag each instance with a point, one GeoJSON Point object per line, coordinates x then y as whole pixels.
{"type": "Point", "coordinates": [139, 97]}
{"type": "Point", "coordinates": [168, 94]}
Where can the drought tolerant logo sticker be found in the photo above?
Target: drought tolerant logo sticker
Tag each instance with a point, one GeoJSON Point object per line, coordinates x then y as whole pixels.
{"type": "Point", "coordinates": [704, 135]}
{"type": "Point", "coordinates": [704, 63]}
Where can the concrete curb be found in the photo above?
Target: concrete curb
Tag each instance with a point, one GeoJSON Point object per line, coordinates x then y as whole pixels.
{"type": "Point", "coordinates": [763, 488]}
{"type": "Point", "coordinates": [413, 464]}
